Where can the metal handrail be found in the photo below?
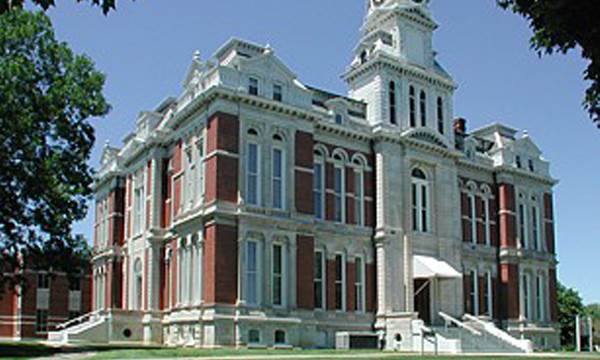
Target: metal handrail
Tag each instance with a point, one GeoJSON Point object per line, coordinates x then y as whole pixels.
{"type": "Point", "coordinates": [498, 333]}
{"type": "Point", "coordinates": [78, 320]}
{"type": "Point", "coordinates": [459, 323]}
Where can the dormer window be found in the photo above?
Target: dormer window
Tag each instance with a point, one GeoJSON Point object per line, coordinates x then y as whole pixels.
{"type": "Point", "coordinates": [339, 119]}
{"type": "Point", "coordinates": [531, 165]}
{"type": "Point", "coordinates": [518, 162]}
{"type": "Point", "coordinates": [253, 86]}
{"type": "Point", "coordinates": [277, 93]}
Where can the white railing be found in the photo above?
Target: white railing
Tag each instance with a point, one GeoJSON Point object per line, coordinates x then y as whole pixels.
{"type": "Point", "coordinates": [449, 319]}
{"type": "Point", "coordinates": [524, 345]}
{"type": "Point", "coordinates": [79, 320]}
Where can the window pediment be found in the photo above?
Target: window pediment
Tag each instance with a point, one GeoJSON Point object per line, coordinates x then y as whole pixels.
{"type": "Point", "coordinates": [428, 136]}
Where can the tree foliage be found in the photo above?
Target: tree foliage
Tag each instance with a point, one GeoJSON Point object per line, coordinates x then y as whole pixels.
{"type": "Point", "coordinates": [47, 96]}
{"type": "Point", "coordinates": [105, 5]}
{"type": "Point", "coordinates": [570, 304]}
{"type": "Point", "coordinates": [563, 25]}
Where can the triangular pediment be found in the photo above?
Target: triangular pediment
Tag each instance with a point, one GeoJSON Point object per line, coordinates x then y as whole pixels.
{"type": "Point", "coordinates": [271, 64]}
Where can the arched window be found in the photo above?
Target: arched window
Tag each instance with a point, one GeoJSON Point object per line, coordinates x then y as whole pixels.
{"type": "Point", "coordinates": [440, 114]}
{"type": "Point", "coordinates": [392, 94]}
{"type": "Point", "coordinates": [319, 185]}
{"type": "Point", "coordinates": [280, 337]}
{"type": "Point", "coordinates": [420, 201]}
{"type": "Point", "coordinates": [412, 106]}
{"type": "Point", "coordinates": [359, 193]}
{"type": "Point", "coordinates": [278, 172]}
{"type": "Point", "coordinates": [423, 102]}
{"type": "Point", "coordinates": [253, 161]}
{"type": "Point", "coordinates": [339, 189]}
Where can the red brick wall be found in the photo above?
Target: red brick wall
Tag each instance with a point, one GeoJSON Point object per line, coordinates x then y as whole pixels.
{"type": "Point", "coordinates": [509, 278]}
{"type": "Point", "coordinates": [222, 170]}
{"type": "Point", "coordinates": [305, 271]}
{"type": "Point", "coordinates": [304, 180]}
{"type": "Point", "coordinates": [508, 231]}
{"type": "Point", "coordinates": [8, 300]}
{"type": "Point", "coordinates": [220, 265]}
{"type": "Point", "coordinates": [304, 192]}
{"type": "Point", "coordinates": [350, 291]}
{"type": "Point", "coordinates": [371, 301]}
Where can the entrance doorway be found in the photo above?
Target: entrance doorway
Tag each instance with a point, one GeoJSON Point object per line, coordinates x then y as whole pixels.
{"type": "Point", "coordinates": [422, 289]}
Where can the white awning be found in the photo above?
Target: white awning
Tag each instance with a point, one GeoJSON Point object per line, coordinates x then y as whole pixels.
{"type": "Point", "coordinates": [426, 267]}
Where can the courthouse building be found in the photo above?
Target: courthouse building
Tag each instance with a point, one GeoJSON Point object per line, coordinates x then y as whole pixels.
{"type": "Point", "coordinates": [255, 210]}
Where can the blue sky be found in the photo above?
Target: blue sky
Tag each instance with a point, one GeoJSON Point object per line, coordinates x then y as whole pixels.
{"type": "Point", "coordinates": [146, 46]}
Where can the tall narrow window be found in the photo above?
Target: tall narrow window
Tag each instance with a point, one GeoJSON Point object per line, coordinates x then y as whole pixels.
{"type": "Point", "coordinates": [525, 296]}
{"type": "Point", "coordinates": [340, 282]}
{"type": "Point", "coordinates": [359, 197]}
{"type": "Point", "coordinates": [473, 210]}
{"type": "Point", "coordinates": [277, 278]}
{"type": "Point", "coordinates": [43, 281]}
{"type": "Point", "coordinates": [277, 93]}
{"type": "Point", "coordinates": [253, 86]}
{"type": "Point", "coordinates": [440, 115]}
{"type": "Point", "coordinates": [523, 235]}
{"type": "Point", "coordinates": [339, 193]}
{"type": "Point", "coordinates": [535, 223]}
{"type": "Point", "coordinates": [420, 201]}
{"type": "Point", "coordinates": [393, 110]}
{"type": "Point", "coordinates": [540, 298]}
{"type": "Point", "coordinates": [423, 109]}
{"type": "Point", "coordinates": [190, 173]}
{"type": "Point", "coordinates": [518, 161]}
{"type": "Point", "coordinates": [318, 189]}
{"type": "Point", "coordinates": [412, 106]}
{"type": "Point", "coordinates": [474, 292]}
{"type": "Point", "coordinates": [278, 181]}
{"type": "Point", "coordinates": [252, 175]}
{"type": "Point", "coordinates": [200, 169]}
{"type": "Point", "coordinates": [359, 285]}
{"type": "Point", "coordinates": [138, 196]}
{"type": "Point", "coordinates": [319, 281]}
{"type": "Point", "coordinates": [252, 262]}
{"type": "Point", "coordinates": [486, 221]}
{"type": "Point", "coordinates": [488, 296]}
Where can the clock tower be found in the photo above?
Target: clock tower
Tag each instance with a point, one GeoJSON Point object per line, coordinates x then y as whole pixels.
{"type": "Point", "coordinates": [409, 96]}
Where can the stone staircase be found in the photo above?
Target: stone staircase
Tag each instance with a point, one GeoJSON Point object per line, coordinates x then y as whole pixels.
{"type": "Point", "coordinates": [477, 336]}
{"type": "Point", "coordinates": [89, 326]}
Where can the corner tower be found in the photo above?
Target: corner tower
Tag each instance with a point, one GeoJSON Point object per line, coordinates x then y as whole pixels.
{"type": "Point", "coordinates": [395, 71]}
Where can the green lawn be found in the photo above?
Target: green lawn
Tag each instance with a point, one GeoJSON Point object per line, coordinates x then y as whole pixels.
{"type": "Point", "coordinates": [22, 351]}
{"type": "Point", "coordinates": [289, 354]}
